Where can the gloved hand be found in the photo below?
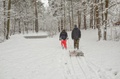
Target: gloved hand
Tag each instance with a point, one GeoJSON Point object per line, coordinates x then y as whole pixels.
{"type": "Point", "coordinates": [60, 39]}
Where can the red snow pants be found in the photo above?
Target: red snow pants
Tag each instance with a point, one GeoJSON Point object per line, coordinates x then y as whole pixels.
{"type": "Point", "coordinates": [64, 44]}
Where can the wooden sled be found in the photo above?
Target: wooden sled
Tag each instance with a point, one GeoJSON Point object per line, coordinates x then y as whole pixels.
{"type": "Point", "coordinates": [76, 53]}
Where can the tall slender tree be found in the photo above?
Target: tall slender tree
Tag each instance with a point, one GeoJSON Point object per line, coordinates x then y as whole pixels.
{"type": "Point", "coordinates": [84, 15]}
{"type": "Point", "coordinates": [91, 14]}
{"type": "Point", "coordinates": [36, 17]}
{"type": "Point", "coordinates": [4, 6]}
{"type": "Point", "coordinates": [72, 20]}
{"type": "Point", "coordinates": [102, 11]}
{"type": "Point", "coordinates": [98, 19]}
{"type": "Point", "coordinates": [62, 22]}
{"type": "Point", "coordinates": [8, 19]}
{"type": "Point", "coordinates": [64, 14]}
{"type": "Point", "coordinates": [79, 19]}
{"type": "Point", "coordinates": [106, 17]}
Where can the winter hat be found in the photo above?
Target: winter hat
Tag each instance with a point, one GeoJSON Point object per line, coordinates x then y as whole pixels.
{"type": "Point", "coordinates": [63, 30]}
{"type": "Point", "coordinates": [75, 26]}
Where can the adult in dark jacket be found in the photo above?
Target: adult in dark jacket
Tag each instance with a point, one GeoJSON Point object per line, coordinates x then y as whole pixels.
{"type": "Point", "coordinates": [76, 35]}
{"type": "Point", "coordinates": [63, 37]}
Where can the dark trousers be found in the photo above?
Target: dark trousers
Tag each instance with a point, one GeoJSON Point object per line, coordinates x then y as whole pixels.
{"type": "Point", "coordinates": [76, 44]}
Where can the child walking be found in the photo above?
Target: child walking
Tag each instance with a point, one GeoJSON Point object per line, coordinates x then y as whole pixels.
{"type": "Point", "coordinates": [63, 37]}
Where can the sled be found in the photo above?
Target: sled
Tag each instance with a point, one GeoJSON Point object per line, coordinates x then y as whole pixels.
{"type": "Point", "coordinates": [76, 53]}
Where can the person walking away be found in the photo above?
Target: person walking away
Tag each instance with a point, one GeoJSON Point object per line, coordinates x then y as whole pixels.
{"type": "Point", "coordinates": [76, 35]}
{"type": "Point", "coordinates": [63, 37]}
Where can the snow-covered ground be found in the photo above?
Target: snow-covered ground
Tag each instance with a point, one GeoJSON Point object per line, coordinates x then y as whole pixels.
{"type": "Point", "coordinates": [44, 58]}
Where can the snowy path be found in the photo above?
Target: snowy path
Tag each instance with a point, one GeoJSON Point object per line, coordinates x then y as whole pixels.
{"type": "Point", "coordinates": [77, 67]}
{"type": "Point", "coordinates": [45, 59]}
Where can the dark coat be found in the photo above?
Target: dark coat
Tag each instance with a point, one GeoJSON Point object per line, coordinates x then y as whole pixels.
{"type": "Point", "coordinates": [63, 35]}
{"type": "Point", "coordinates": [76, 33]}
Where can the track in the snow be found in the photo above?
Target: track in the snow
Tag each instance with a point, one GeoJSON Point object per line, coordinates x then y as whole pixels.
{"type": "Point", "coordinates": [77, 68]}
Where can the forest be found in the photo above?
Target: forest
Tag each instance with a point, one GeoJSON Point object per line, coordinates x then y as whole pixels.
{"type": "Point", "coordinates": [25, 16]}
{"type": "Point", "coordinates": [31, 46]}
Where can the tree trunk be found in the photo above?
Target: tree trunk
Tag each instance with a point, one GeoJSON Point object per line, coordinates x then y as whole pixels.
{"type": "Point", "coordinates": [62, 23]}
{"type": "Point", "coordinates": [79, 19]}
{"type": "Point", "coordinates": [14, 25]}
{"type": "Point", "coordinates": [94, 13]}
{"type": "Point", "coordinates": [106, 15]}
{"type": "Point", "coordinates": [91, 16]}
{"type": "Point", "coordinates": [85, 27]}
{"type": "Point", "coordinates": [62, 27]}
{"type": "Point", "coordinates": [70, 19]}
{"type": "Point", "coordinates": [102, 12]}
{"type": "Point", "coordinates": [33, 26]}
{"type": "Point", "coordinates": [8, 19]}
{"type": "Point", "coordinates": [23, 26]}
{"type": "Point", "coordinates": [36, 18]}
{"type": "Point", "coordinates": [64, 16]}
{"type": "Point", "coordinates": [4, 5]}
{"type": "Point", "coordinates": [72, 23]}
{"type": "Point", "coordinates": [59, 26]}
{"type": "Point", "coordinates": [98, 20]}
{"type": "Point", "coordinates": [19, 27]}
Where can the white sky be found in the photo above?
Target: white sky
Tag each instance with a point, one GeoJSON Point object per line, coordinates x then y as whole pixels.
{"type": "Point", "coordinates": [45, 2]}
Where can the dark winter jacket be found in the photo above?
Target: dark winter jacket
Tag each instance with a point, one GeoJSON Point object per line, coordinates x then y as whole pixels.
{"type": "Point", "coordinates": [63, 35]}
{"type": "Point", "coordinates": [76, 33]}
